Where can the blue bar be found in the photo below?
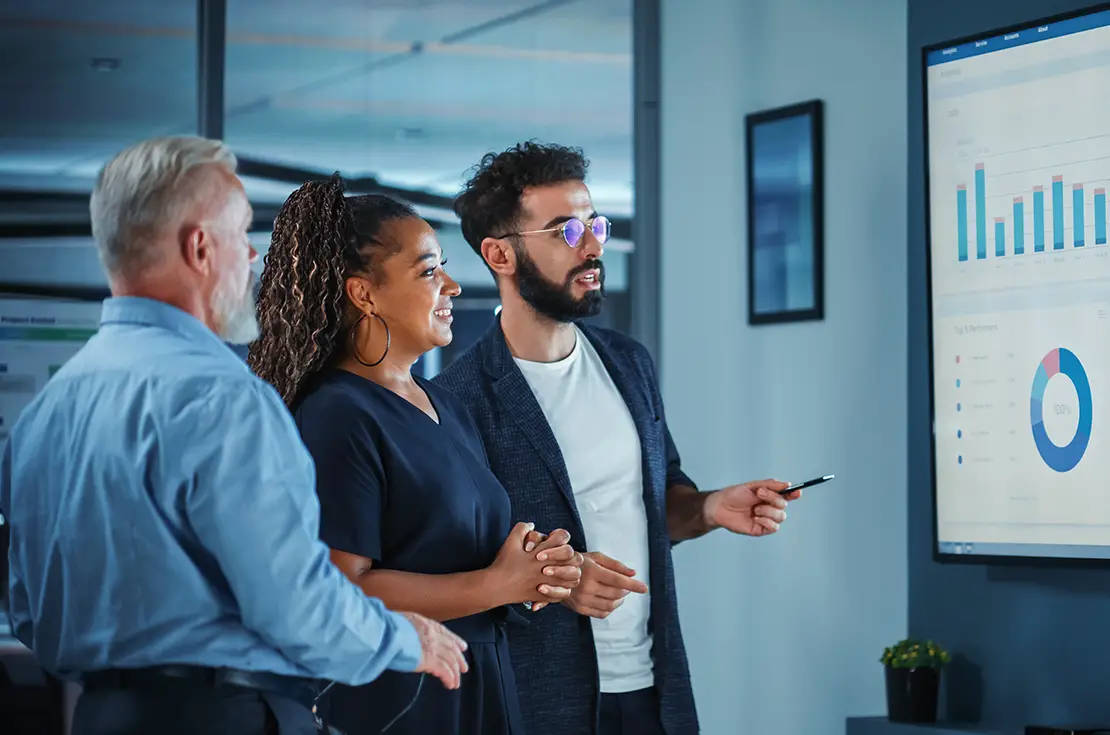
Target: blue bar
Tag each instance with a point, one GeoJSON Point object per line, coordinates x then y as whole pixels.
{"type": "Point", "coordinates": [1100, 216]}
{"type": "Point", "coordinates": [1038, 219]}
{"type": "Point", "coordinates": [999, 237]}
{"type": "Point", "coordinates": [1019, 226]}
{"type": "Point", "coordinates": [1057, 212]}
{"type": "Point", "coordinates": [961, 221]}
{"type": "Point", "coordinates": [1030, 34]}
{"type": "Point", "coordinates": [980, 212]}
{"type": "Point", "coordinates": [1077, 232]}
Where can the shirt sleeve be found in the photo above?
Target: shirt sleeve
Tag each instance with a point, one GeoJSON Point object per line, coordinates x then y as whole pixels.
{"type": "Point", "coordinates": [253, 506]}
{"type": "Point", "coordinates": [350, 477]}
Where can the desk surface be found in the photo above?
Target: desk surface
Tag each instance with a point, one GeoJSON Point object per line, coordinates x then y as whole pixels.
{"type": "Point", "coordinates": [9, 644]}
{"type": "Point", "coordinates": [883, 726]}
{"type": "Point", "coordinates": [17, 660]}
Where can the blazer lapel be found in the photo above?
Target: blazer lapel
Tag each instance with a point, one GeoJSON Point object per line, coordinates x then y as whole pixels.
{"type": "Point", "coordinates": [516, 400]}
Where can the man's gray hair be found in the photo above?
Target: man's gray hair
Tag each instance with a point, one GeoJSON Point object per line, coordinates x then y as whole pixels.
{"type": "Point", "coordinates": [140, 191]}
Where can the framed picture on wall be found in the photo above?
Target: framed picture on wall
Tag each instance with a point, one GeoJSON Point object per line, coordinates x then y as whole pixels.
{"type": "Point", "coordinates": [785, 178]}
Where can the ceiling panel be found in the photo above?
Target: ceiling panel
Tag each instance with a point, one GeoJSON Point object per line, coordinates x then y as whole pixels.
{"type": "Point", "coordinates": [92, 78]}
{"type": "Point", "coordinates": [365, 21]}
{"type": "Point", "coordinates": [137, 13]}
{"type": "Point", "coordinates": [326, 87]}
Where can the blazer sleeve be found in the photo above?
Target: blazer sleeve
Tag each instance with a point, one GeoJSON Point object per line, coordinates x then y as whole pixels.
{"type": "Point", "coordinates": [675, 474]}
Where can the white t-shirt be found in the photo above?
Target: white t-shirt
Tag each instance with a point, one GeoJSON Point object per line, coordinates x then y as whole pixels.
{"type": "Point", "coordinates": [601, 448]}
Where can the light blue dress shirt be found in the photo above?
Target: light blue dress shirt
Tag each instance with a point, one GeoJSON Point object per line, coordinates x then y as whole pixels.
{"type": "Point", "coordinates": [162, 510]}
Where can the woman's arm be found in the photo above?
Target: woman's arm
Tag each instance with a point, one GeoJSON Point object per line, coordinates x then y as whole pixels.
{"type": "Point", "coordinates": [515, 576]}
{"type": "Point", "coordinates": [440, 597]}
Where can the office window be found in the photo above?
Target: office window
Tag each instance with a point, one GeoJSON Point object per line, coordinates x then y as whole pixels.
{"type": "Point", "coordinates": [83, 81]}
{"type": "Point", "coordinates": [400, 97]}
{"type": "Point", "coordinates": [406, 97]}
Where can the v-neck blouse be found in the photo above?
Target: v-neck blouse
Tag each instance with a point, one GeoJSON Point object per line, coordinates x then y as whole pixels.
{"type": "Point", "coordinates": [397, 487]}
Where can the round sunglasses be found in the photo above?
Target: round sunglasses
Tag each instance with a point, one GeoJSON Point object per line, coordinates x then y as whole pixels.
{"type": "Point", "coordinates": [573, 229]}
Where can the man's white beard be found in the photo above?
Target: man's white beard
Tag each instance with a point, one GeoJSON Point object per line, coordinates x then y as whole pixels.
{"type": "Point", "coordinates": [237, 317]}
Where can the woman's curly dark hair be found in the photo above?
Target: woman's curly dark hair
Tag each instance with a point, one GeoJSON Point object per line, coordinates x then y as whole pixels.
{"type": "Point", "coordinates": [321, 237]}
{"type": "Point", "coordinates": [489, 205]}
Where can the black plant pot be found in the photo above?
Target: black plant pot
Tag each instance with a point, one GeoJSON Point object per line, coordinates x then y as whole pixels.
{"type": "Point", "coordinates": [911, 694]}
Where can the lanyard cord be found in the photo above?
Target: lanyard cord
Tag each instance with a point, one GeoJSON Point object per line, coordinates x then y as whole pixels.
{"type": "Point", "coordinates": [402, 713]}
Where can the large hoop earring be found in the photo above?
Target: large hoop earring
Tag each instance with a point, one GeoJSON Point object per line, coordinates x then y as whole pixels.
{"type": "Point", "coordinates": [354, 343]}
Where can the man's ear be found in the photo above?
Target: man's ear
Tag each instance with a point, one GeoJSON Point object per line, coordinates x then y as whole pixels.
{"type": "Point", "coordinates": [359, 294]}
{"type": "Point", "coordinates": [499, 256]}
{"type": "Point", "coordinates": [196, 248]}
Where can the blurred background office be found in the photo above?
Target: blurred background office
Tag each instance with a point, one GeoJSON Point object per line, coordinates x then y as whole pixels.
{"type": "Point", "coordinates": [398, 96]}
{"type": "Point", "coordinates": [403, 96]}
{"type": "Point", "coordinates": [784, 634]}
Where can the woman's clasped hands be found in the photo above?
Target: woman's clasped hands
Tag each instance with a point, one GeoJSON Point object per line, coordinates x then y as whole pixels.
{"type": "Point", "coordinates": [534, 568]}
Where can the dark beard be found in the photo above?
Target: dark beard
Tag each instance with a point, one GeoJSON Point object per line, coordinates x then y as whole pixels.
{"type": "Point", "coordinates": [556, 302]}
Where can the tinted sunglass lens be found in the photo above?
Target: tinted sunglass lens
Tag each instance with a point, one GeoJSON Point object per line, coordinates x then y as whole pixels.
{"type": "Point", "coordinates": [573, 231]}
{"type": "Point", "coordinates": [601, 228]}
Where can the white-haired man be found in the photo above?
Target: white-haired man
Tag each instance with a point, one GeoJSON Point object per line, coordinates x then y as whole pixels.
{"type": "Point", "coordinates": [163, 512]}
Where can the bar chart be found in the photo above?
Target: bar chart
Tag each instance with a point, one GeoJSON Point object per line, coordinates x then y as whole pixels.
{"type": "Point", "coordinates": [1017, 191]}
{"type": "Point", "coordinates": [1077, 223]}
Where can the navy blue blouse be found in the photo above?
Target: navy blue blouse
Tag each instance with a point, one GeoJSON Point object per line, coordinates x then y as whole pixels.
{"type": "Point", "coordinates": [418, 496]}
{"type": "Point", "coordinates": [395, 486]}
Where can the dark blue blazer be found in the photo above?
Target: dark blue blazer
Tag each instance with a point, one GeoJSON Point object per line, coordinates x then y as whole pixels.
{"type": "Point", "coordinates": [553, 650]}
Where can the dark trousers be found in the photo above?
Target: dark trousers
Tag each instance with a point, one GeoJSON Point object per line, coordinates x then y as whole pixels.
{"type": "Point", "coordinates": [630, 713]}
{"type": "Point", "coordinates": [185, 707]}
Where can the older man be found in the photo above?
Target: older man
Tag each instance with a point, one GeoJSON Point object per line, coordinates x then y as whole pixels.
{"type": "Point", "coordinates": [163, 514]}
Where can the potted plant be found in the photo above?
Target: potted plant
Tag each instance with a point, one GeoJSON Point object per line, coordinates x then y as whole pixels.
{"type": "Point", "coordinates": [912, 670]}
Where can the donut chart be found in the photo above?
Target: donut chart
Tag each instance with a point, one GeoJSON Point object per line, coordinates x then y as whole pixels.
{"type": "Point", "coordinates": [1061, 361]}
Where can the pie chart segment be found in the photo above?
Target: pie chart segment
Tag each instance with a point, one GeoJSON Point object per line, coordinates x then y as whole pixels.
{"type": "Point", "coordinates": [1061, 361]}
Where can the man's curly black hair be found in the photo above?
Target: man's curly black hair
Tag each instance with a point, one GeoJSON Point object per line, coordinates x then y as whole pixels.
{"type": "Point", "coordinates": [489, 205]}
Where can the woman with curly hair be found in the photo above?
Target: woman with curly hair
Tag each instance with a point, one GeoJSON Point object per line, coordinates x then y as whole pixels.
{"type": "Point", "coordinates": [352, 294]}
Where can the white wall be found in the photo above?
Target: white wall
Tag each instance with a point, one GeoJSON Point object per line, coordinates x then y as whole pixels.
{"type": "Point", "coordinates": [784, 634]}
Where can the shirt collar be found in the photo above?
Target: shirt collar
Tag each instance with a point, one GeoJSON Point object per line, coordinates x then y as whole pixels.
{"type": "Point", "coordinates": [150, 312]}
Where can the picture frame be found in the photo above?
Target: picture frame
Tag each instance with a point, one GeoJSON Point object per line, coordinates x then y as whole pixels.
{"type": "Point", "coordinates": [785, 214]}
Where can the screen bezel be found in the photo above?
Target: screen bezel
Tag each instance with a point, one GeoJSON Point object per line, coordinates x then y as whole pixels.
{"type": "Point", "coordinates": [939, 555]}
